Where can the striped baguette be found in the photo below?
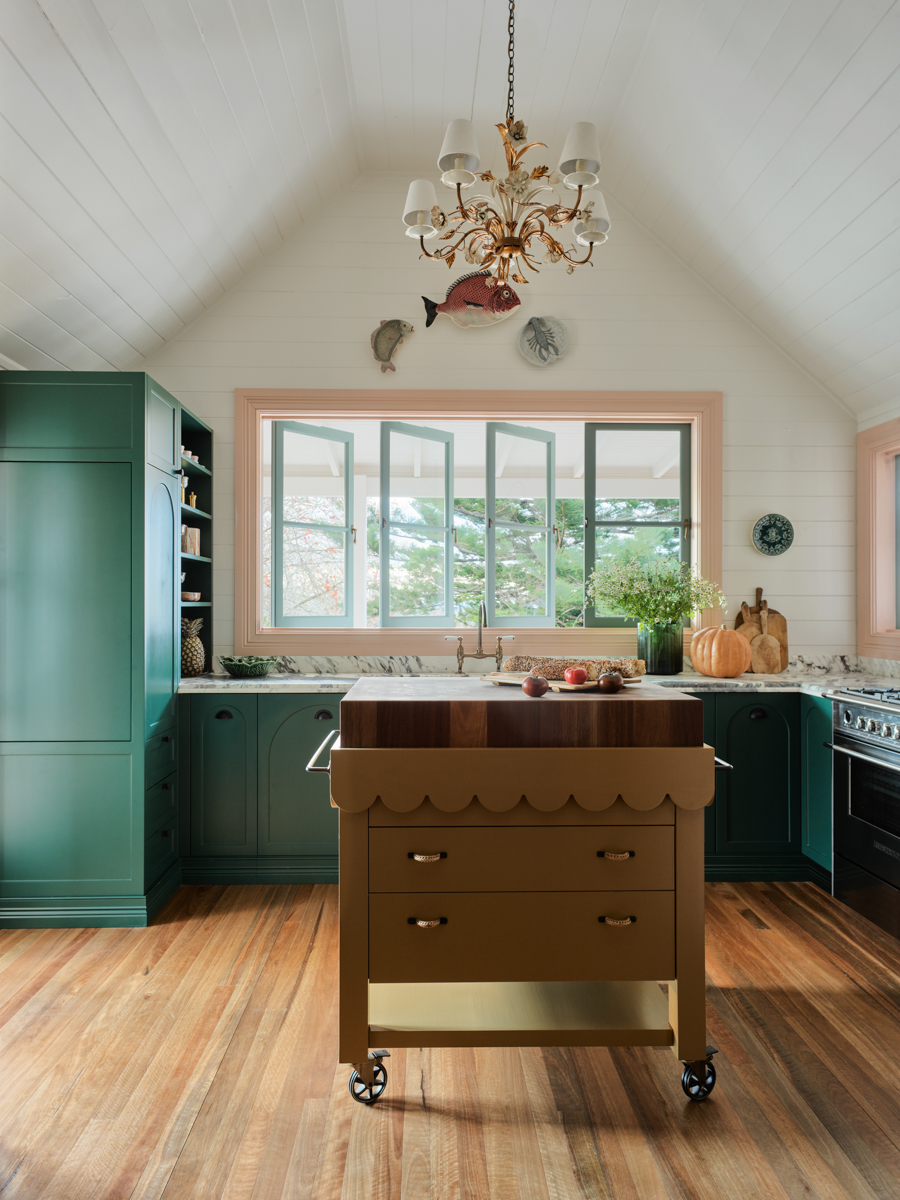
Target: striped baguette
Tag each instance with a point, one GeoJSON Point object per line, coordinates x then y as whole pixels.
{"type": "Point", "coordinates": [555, 668]}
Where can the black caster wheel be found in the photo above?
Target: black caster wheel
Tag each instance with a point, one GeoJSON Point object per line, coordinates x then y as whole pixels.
{"type": "Point", "coordinates": [698, 1080]}
{"type": "Point", "coordinates": [368, 1093]}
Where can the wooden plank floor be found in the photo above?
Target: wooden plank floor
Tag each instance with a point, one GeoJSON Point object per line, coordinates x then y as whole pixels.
{"type": "Point", "coordinates": [197, 1059]}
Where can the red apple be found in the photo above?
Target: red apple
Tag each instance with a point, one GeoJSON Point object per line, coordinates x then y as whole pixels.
{"type": "Point", "coordinates": [576, 675]}
{"type": "Point", "coordinates": [535, 685]}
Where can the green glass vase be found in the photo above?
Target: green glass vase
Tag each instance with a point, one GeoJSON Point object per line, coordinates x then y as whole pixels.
{"type": "Point", "coordinates": [661, 648]}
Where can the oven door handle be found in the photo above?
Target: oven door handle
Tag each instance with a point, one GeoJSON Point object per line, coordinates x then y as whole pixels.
{"type": "Point", "coordinates": [875, 762]}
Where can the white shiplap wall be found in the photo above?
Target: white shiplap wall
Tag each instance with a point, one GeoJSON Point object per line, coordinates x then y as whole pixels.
{"type": "Point", "coordinates": [638, 320]}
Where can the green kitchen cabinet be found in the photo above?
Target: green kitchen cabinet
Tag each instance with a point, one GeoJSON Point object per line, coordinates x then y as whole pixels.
{"type": "Point", "coordinates": [223, 775]}
{"type": "Point", "coordinates": [709, 737]}
{"type": "Point", "coordinates": [295, 813]}
{"type": "Point", "coordinates": [89, 642]}
{"type": "Point", "coordinates": [815, 737]}
{"type": "Point", "coordinates": [759, 800]}
{"type": "Point", "coordinates": [756, 828]}
{"type": "Point", "coordinates": [255, 814]}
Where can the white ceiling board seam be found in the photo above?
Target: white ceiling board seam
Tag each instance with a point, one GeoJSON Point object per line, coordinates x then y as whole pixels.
{"type": "Point", "coordinates": [842, 404]}
{"type": "Point", "coordinates": [809, 108]}
{"type": "Point", "coordinates": [52, 113]}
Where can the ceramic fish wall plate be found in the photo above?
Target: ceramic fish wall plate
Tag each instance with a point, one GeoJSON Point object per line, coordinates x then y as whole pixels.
{"type": "Point", "coordinates": [772, 534]}
{"type": "Point", "coordinates": [385, 340]}
{"type": "Point", "coordinates": [543, 341]}
{"type": "Point", "coordinates": [473, 300]}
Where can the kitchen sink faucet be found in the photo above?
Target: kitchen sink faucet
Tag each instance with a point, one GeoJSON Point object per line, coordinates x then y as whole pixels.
{"type": "Point", "coordinates": [461, 655]}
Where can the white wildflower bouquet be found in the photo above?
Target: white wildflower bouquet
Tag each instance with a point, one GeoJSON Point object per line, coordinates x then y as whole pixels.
{"type": "Point", "coordinates": [657, 593]}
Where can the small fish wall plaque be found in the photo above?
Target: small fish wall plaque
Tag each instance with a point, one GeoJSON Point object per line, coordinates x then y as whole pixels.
{"type": "Point", "coordinates": [385, 340]}
{"type": "Point", "coordinates": [543, 341]}
{"type": "Point", "coordinates": [473, 300]}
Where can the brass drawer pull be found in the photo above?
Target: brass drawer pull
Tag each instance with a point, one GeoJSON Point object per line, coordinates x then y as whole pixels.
{"type": "Point", "coordinates": [426, 924]}
{"type": "Point", "coordinates": [426, 857]}
{"type": "Point", "coordinates": [615, 855]}
{"type": "Point", "coordinates": [617, 921]}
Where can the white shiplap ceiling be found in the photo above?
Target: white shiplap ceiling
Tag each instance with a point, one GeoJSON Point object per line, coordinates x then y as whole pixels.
{"type": "Point", "coordinates": [153, 151]}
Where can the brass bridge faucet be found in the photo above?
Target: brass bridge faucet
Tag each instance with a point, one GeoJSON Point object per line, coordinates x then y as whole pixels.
{"type": "Point", "coordinates": [461, 655]}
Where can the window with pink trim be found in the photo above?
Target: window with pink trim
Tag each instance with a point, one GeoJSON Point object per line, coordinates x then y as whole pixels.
{"type": "Point", "coordinates": [314, 527]}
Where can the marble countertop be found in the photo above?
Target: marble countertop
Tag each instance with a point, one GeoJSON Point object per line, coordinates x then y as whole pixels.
{"type": "Point", "coordinates": [815, 683]}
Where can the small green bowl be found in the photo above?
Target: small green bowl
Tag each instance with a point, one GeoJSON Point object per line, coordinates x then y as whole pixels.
{"type": "Point", "coordinates": [248, 666]}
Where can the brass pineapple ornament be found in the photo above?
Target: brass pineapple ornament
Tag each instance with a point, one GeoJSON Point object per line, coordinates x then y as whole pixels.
{"type": "Point", "coordinates": [193, 656]}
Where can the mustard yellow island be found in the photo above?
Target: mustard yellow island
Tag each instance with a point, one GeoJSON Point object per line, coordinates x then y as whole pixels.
{"type": "Point", "coordinates": [520, 872]}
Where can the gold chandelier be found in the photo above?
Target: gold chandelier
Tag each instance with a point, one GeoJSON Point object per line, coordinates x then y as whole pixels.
{"type": "Point", "coordinates": [496, 232]}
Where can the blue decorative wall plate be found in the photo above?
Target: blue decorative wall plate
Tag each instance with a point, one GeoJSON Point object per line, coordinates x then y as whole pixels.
{"type": "Point", "coordinates": [772, 534]}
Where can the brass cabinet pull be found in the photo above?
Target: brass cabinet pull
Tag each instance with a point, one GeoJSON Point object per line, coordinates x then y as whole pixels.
{"type": "Point", "coordinates": [616, 855]}
{"type": "Point", "coordinates": [422, 924]}
{"type": "Point", "coordinates": [426, 857]}
{"type": "Point", "coordinates": [618, 921]}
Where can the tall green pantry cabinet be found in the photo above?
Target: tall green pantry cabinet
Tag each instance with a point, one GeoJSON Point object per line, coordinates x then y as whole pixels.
{"type": "Point", "coordinates": [90, 514]}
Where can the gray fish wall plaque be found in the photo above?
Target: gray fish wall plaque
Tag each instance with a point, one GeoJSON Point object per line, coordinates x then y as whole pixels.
{"type": "Point", "coordinates": [543, 341]}
{"type": "Point", "coordinates": [385, 340]}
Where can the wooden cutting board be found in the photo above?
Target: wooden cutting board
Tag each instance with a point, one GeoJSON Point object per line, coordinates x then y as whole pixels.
{"type": "Point", "coordinates": [777, 627]}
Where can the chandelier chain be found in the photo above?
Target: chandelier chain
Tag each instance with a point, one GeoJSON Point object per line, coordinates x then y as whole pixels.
{"type": "Point", "coordinates": [511, 71]}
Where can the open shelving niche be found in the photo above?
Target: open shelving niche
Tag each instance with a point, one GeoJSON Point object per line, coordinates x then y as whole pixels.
{"type": "Point", "coordinates": [197, 438]}
{"type": "Point", "coordinates": [519, 1014]}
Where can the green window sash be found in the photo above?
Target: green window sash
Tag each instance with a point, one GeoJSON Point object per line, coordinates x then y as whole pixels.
{"type": "Point", "coordinates": [280, 525]}
{"type": "Point", "coordinates": [592, 525]}
{"type": "Point", "coordinates": [438, 535]}
{"type": "Point", "coordinates": [502, 531]}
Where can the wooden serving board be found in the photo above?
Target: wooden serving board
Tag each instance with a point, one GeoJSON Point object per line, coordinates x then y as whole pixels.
{"type": "Point", "coordinates": [389, 713]}
{"type": "Point", "coordinates": [777, 627]}
{"type": "Point", "coordinates": [517, 678]}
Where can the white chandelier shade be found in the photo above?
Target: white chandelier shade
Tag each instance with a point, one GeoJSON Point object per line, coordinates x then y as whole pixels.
{"type": "Point", "coordinates": [579, 163]}
{"type": "Point", "coordinates": [420, 200]}
{"type": "Point", "coordinates": [459, 159]}
{"type": "Point", "coordinates": [595, 227]}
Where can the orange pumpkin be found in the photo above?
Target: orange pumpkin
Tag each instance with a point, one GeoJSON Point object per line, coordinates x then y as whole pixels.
{"type": "Point", "coordinates": [721, 652]}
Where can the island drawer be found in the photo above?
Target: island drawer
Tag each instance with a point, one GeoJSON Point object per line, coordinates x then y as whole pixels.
{"type": "Point", "coordinates": [542, 859]}
{"type": "Point", "coordinates": [487, 937]}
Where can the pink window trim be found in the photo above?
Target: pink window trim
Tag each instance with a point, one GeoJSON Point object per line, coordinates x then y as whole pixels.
{"type": "Point", "coordinates": [877, 635]}
{"type": "Point", "coordinates": [702, 410]}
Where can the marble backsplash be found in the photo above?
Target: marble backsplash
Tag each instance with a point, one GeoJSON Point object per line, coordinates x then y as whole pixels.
{"type": "Point", "coordinates": [407, 664]}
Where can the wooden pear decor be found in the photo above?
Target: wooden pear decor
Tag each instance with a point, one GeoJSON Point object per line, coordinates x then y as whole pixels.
{"type": "Point", "coordinates": [748, 624]}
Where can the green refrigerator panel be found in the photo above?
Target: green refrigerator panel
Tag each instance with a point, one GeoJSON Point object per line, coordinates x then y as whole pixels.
{"type": "Point", "coordinates": [67, 819]}
{"type": "Point", "coordinates": [65, 601]}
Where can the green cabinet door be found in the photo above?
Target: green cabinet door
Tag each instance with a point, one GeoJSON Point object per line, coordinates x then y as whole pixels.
{"type": "Point", "coordinates": [758, 803]}
{"type": "Point", "coordinates": [161, 641]}
{"type": "Point", "coordinates": [65, 601]}
{"type": "Point", "coordinates": [223, 775]}
{"type": "Point", "coordinates": [163, 427]}
{"type": "Point", "coordinates": [709, 737]}
{"type": "Point", "coordinates": [815, 732]}
{"type": "Point", "coordinates": [295, 813]}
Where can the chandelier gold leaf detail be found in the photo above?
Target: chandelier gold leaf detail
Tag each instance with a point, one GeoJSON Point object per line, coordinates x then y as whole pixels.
{"type": "Point", "coordinates": [505, 231]}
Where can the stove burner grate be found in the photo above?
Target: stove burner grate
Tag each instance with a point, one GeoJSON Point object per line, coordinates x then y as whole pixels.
{"type": "Point", "coordinates": [875, 693]}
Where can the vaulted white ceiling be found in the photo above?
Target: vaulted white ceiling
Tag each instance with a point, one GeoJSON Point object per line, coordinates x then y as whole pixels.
{"type": "Point", "coordinates": [153, 151]}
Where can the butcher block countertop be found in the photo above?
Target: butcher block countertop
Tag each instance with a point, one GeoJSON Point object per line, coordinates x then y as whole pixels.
{"type": "Point", "coordinates": [456, 713]}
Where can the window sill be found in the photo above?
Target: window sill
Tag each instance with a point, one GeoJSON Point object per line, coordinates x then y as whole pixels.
{"type": "Point", "coordinates": [611, 643]}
